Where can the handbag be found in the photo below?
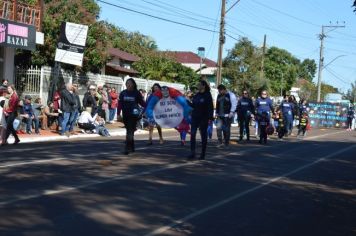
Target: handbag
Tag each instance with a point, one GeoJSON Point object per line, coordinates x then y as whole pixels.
{"type": "Point", "coordinates": [16, 124]}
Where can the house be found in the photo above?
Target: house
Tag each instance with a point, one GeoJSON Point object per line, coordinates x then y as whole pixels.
{"type": "Point", "coordinates": [19, 29]}
{"type": "Point", "coordinates": [204, 66]}
{"type": "Point", "coordinates": [120, 63]}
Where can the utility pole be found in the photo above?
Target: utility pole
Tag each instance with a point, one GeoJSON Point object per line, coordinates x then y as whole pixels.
{"type": "Point", "coordinates": [321, 55]}
{"type": "Point", "coordinates": [221, 42]}
{"type": "Point", "coordinates": [263, 57]}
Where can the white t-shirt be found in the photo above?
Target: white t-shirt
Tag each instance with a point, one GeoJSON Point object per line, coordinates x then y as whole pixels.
{"type": "Point", "coordinates": [2, 115]}
{"type": "Point", "coordinates": [86, 117]}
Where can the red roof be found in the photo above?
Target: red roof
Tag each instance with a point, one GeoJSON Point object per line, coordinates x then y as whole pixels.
{"type": "Point", "coordinates": [123, 70]}
{"type": "Point", "coordinates": [123, 55]}
{"type": "Point", "coordinates": [190, 58]}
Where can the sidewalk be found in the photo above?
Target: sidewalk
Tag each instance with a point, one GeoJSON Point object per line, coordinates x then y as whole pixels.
{"type": "Point", "coordinates": [116, 129]}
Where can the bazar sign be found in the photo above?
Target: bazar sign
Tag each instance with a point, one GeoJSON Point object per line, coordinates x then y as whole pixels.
{"type": "Point", "coordinates": [17, 35]}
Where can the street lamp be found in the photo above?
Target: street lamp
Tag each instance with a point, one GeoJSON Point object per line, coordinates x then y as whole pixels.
{"type": "Point", "coordinates": [201, 54]}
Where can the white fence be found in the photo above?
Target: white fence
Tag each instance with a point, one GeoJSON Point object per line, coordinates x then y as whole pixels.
{"type": "Point", "coordinates": [36, 81]}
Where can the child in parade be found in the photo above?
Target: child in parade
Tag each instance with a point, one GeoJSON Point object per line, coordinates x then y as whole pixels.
{"type": "Point", "coordinates": [183, 128]}
{"type": "Point", "coordinates": [303, 123]}
{"type": "Point", "coordinates": [210, 129]}
{"type": "Point", "coordinates": [281, 128]}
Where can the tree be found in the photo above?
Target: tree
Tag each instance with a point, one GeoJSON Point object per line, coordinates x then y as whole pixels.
{"type": "Point", "coordinates": [307, 70]}
{"type": "Point", "coordinates": [241, 67]}
{"type": "Point", "coordinates": [354, 5]}
{"type": "Point", "coordinates": [351, 93]}
{"type": "Point", "coordinates": [77, 11]}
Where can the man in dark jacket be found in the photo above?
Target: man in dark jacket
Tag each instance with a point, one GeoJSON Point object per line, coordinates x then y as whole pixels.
{"type": "Point", "coordinates": [245, 110]}
{"type": "Point", "coordinates": [67, 108]}
{"type": "Point", "coordinates": [89, 100]}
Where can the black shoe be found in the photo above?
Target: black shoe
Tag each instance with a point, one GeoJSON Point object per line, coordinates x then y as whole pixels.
{"type": "Point", "coordinates": [29, 132]}
{"type": "Point", "coordinates": [240, 139]}
{"type": "Point", "coordinates": [191, 157]}
{"type": "Point", "coordinates": [260, 142]}
{"type": "Point", "coordinates": [125, 152]}
{"type": "Point", "coordinates": [16, 141]}
{"type": "Point", "coordinates": [202, 157]}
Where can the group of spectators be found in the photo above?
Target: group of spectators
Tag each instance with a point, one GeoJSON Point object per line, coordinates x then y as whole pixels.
{"type": "Point", "coordinates": [62, 113]}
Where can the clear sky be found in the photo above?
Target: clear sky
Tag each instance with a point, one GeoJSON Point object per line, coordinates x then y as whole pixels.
{"type": "Point", "coordinates": [293, 25]}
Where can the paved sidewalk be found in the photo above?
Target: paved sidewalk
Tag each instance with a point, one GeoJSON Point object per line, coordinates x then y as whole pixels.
{"type": "Point", "coordinates": [116, 129]}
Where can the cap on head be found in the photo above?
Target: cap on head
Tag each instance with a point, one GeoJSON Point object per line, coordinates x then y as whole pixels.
{"type": "Point", "coordinates": [28, 97]}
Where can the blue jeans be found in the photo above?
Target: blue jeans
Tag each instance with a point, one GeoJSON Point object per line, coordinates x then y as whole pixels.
{"type": "Point", "coordinates": [288, 123]}
{"type": "Point", "coordinates": [73, 118]}
{"type": "Point", "coordinates": [112, 114]}
{"type": "Point", "coordinates": [65, 121]}
{"type": "Point", "coordinates": [29, 124]}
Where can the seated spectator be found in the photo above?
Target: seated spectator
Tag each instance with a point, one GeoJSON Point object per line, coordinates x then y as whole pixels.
{"type": "Point", "coordinates": [51, 116]}
{"type": "Point", "coordinates": [29, 116]}
{"type": "Point", "coordinates": [38, 112]}
{"type": "Point", "coordinates": [86, 121]}
{"type": "Point", "coordinates": [92, 124]}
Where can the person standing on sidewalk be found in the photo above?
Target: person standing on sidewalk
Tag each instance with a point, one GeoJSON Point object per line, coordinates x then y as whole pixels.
{"type": "Point", "coordinates": [114, 103]}
{"type": "Point", "coordinates": [76, 109]}
{"type": "Point", "coordinates": [226, 104]}
{"type": "Point", "coordinates": [203, 112]}
{"type": "Point", "coordinates": [130, 99]}
{"type": "Point", "coordinates": [10, 114]}
{"type": "Point", "coordinates": [89, 100]}
{"type": "Point", "coordinates": [245, 110]}
{"type": "Point", "coordinates": [67, 108]}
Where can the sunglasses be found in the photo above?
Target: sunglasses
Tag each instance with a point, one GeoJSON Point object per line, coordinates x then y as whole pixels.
{"type": "Point", "coordinates": [264, 93]}
{"type": "Point", "coordinates": [245, 93]}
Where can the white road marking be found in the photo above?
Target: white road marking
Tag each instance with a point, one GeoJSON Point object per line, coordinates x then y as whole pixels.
{"type": "Point", "coordinates": [122, 177]}
{"type": "Point", "coordinates": [241, 194]}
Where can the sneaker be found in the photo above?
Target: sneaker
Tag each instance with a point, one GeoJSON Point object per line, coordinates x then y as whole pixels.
{"type": "Point", "coordinates": [29, 132]}
{"type": "Point", "coordinates": [16, 141]}
{"type": "Point", "coordinates": [67, 134]}
{"type": "Point", "coordinates": [220, 145]}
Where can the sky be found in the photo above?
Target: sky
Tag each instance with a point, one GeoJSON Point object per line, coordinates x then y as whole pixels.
{"type": "Point", "coordinates": [293, 25]}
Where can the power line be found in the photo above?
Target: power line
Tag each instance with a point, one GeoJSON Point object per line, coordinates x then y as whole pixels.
{"type": "Point", "coordinates": [157, 17]}
{"type": "Point", "coordinates": [336, 76]}
{"type": "Point", "coordinates": [286, 14]}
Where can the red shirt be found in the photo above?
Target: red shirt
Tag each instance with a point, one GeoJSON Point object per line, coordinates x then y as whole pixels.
{"type": "Point", "coordinates": [13, 103]}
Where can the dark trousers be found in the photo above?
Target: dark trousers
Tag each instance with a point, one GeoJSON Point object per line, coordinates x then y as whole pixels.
{"type": "Point", "coordinates": [87, 126]}
{"type": "Point", "coordinates": [349, 123]}
{"type": "Point", "coordinates": [223, 127]}
{"type": "Point", "coordinates": [302, 129]}
{"type": "Point", "coordinates": [10, 126]}
{"type": "Point", "coordinates": [281, 132]}
{"type": "Point", "coordinates": [203, 128]}
{"type": "Point", "coordinates": [130, 126]}
{"type": "Point", "coordinates": [244, 123]}
{"type": "Point", "coordinates": [288, 123]}
{"type": "Point", "coordinates": [263, 133]}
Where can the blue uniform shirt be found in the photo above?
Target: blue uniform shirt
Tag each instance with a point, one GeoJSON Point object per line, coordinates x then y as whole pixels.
{"type": "Point", "coordinates": [264, 105]}
{"type": "Point", "coordinates": [287, 108]}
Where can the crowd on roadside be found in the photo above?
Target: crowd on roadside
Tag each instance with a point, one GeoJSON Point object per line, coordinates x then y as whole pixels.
{"type": "Point", "coordinates": [101, 104]}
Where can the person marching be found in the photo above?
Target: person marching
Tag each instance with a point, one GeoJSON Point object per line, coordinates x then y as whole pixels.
{"type": "Point", "coordinates": [155, 88]}
{"type": "Point", "coordinates": [10, 113]}
{"type": "Point", "coordinates": [129, 100]}
{"type": "Point", "coordinates": [287, 108]}
{"type": "Point", "coordinates": [281, 130]}
{"type": "Point", "coordinates": [303, 123]}
{"type": "Point", "coordinates": [225, 108]}
{"type": "Point", "coordinates": [245, 110]}
{"type": "Point", "coordinates": [263, 123]}
{"type": "Point", "coordinates": [203, 111]}
{"type": "Point", "coordinates": [350, 117]}
{"type": "Point", "coordinates": [263, 104]}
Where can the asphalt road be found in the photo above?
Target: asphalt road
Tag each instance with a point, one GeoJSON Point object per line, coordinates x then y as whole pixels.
{"type": "Point", "coordinates": [87, 187]}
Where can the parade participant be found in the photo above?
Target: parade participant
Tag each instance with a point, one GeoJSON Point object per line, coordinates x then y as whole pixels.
{"type": "Point", "coordinates": [302, 107]}
{"type": "Point", "coordinates": [183, 128]}
{"type": "Point", "coordinates": [262, 104]}
{"type": "Point", "coordinates": [350, 117]}
{"type": "Point", "coordinates": [10, 114]}
{"type": "Point", "coordinates": [281, 130]}
{"type": "Point", "coordinates": [225, 108]}
{"type": "Point", "coordinates": [203, 111]}
{"type": "Point", "coordinates": [263, 123]}
{"type": "Point", "coordinates": [245, 110]}
{"type": "Point", "coordinates": [155, 88]}
{"type": "Point", "coordinates": [129, 100]}
{"type": "Point", "coordinates": [303, 123]}
{"type": "Point", "coordinates": [287, 108]}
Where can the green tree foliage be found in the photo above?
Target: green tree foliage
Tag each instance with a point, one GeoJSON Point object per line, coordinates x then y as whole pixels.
{"type": "Point", "coordinates": [159, 66]}
{"type": "Point", "coordinates": [308, 90]}
{"type": "Point", "coordinates": [351, 93]}
{"type": "Point", "coordinates": [242, 66]}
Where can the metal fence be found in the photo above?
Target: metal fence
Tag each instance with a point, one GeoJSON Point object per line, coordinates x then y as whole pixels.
{"type": "Point", "coordinates": [36, 81]}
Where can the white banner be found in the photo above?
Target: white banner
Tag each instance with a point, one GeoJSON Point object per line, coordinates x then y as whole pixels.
{"type": "Point", "coordinates": [168, 113]}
